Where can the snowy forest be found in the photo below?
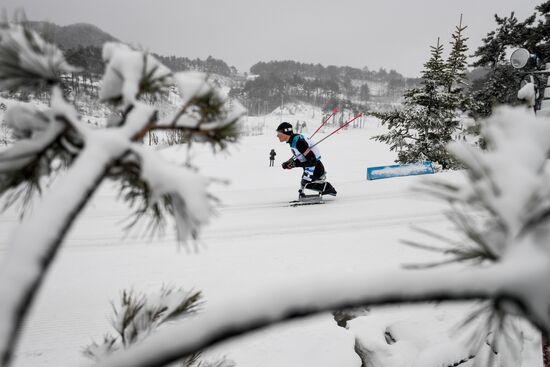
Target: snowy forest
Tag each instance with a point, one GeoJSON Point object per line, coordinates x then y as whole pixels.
{"type": "Point", "coordinates": [132, 188]}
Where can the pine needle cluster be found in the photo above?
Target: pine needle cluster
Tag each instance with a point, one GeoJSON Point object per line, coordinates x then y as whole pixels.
{"type": "Point", "coordinates": [138, 315]}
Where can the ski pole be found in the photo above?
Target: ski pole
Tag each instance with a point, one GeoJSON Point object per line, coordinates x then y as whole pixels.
{"type": "Point", "coordinates": [328, 136]}
{"type": "Point", "coordinates": [334, 111]}
{"type": "Point", "coordinates": [334, 132]}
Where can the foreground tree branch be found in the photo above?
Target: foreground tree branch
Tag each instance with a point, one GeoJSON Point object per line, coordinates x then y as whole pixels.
{"type": "Point", "coordinates": [507, 188]}
{"type": "Point", "coordinates": [504, 283]}
{"type": "Point", "coordinates": [57, 137]}
{"type": "Point", "coordinates": [31, 250]}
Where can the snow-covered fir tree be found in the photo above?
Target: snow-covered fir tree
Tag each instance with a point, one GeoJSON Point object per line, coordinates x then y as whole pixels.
{"type": "Point", "coordinates": [500, 84]}
{"type": "Point", "coordinates": [428, 120]}
{"type": "Point", "coordinates": [457, 61]}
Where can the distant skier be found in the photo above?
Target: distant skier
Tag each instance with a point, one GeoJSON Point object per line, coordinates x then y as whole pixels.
{"type": "Point", "coordinates": [272, 155]}
{"type": "Point", "coordinates": [307, 157]}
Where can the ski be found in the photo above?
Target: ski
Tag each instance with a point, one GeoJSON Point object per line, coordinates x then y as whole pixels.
{"type": "Point", "coordinates": [296, 203]}
{"type": "Point", "coordinates": [307, 200]}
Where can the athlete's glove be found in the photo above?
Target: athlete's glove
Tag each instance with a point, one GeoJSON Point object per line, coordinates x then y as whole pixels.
{"type": "Point", "coordinates": [289, 164]}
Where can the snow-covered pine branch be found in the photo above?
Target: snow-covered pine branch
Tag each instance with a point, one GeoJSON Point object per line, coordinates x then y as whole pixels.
{"type": "Point", "coordinates": [510, 181]}
{"type": "Point", "coordinates": [137, 315]}
{"type": "Point", "coordinates": [27, 60]}
{"type": "Point", "coordinates": [308, 296]}
{"type": "Point", "coordinates": [91, 155]}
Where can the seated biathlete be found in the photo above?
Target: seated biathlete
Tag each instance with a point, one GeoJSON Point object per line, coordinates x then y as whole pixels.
{"type": "Point", "coordinates": [308, 157]}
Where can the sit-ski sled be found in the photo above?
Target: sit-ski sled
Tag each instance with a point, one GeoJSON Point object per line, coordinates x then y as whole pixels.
{"type": "Point", "coordinates": [312, 199]}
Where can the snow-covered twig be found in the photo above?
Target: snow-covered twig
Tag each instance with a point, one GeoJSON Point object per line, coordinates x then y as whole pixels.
{"type": "Point", "coordinates": [507, 281]}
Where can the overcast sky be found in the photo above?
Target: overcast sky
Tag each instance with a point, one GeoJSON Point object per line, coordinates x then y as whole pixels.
{"type": "Point", "coordinates": [373, 33]}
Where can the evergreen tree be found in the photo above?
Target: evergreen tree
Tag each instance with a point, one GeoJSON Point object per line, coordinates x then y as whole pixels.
{"type": "Point", "coordinates": [500, 85]}
{"type": "Point", "coordinates": [365, 92]}
{"type": "Point", "coordinates": [493, 51]}
{"type": "Point", "coordinates": [538, 39]}
{"type": "Point", "coordinates": [457, 75]}
{"type": "Point", "coordinates": [434, 69]}
{"type": "Point", "coordinates": [457, 60]}
{"type": "Point", "coordinates": [425, 125]}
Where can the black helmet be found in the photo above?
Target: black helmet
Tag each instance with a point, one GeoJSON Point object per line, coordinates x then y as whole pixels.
{"type": "Point", "coordinates": [285, 128]}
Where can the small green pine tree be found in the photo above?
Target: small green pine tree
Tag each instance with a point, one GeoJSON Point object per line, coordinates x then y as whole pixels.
{"type": "Point", "coordinates": [428, 120]}
{"type": "Point", "coordinates": [457, 60]}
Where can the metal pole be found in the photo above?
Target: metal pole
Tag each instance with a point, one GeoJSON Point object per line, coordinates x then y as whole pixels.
{"type": "Point", "coordinates": [282, 104]}
{"type": "Point", "coordinates": [545, 104]}
{"type": "Point", "coordinates": [545, 111]}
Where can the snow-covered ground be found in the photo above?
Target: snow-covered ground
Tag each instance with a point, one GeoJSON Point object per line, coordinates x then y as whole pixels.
{"type": "Point", "coordinates": [256, 241]}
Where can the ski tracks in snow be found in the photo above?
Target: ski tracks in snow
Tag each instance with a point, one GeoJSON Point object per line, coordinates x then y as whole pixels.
{"type": "Point", "coordinates": [250, 215]}
{"type": "Point", "coordinates": [353, 211]}
{"type": "Point", "coordinates": [341, 200]}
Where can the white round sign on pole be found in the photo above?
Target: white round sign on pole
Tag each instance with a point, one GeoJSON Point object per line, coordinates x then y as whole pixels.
{"type": "Point", "coordinates": [519, 58]}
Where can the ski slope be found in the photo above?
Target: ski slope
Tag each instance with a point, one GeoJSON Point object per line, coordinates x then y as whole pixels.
{"type": "Point", "coordinates": [257, 240]}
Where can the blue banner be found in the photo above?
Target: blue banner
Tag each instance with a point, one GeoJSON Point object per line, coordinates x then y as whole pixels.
{"type": "Point", "coordinates": [397, 170]}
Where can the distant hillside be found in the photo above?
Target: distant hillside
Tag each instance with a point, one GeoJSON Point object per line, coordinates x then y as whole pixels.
{"type": "Point", "coordinates": [322, 86]}
{"type": "Point", "coordinates": [270, 84]}
{"type": "Point", "coordinates": [210, 65]}
{"type": "Point", "coordinates": [82, 44]}
{"type": "Point", "coordinates": [73, 35]}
